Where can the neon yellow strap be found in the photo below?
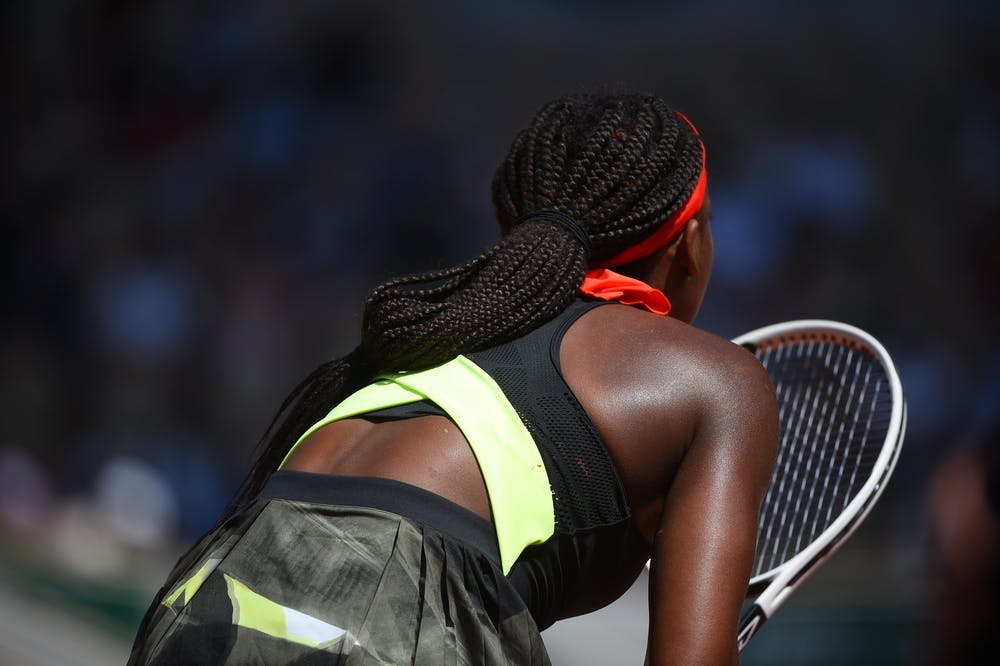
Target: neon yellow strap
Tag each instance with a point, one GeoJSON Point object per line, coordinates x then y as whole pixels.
{"type": "Point", "coordinates": [516, 481]}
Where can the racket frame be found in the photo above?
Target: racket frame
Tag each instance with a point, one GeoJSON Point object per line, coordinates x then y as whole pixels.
{"type": "Point", "coordinates": [773, 587]}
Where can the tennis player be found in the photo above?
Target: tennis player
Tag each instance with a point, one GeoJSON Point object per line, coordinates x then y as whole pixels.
{"type": "Point", "coordinates": [511, 441]}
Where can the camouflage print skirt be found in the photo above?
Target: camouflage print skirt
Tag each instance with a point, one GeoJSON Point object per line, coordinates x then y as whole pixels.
{"type": "Point", "coordinates": [326, 570]}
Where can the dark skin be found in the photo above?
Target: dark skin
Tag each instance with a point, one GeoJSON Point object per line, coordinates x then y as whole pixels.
{"type": "Point", "coordinates": [690, 421]}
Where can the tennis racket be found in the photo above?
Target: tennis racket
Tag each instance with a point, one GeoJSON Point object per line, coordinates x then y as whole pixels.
{"type": "Point", "coordinates": [842, 417]}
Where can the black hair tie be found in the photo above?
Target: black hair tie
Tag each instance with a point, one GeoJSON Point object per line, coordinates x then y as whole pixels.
{"type": "Point", "coordinates": [563, 220]}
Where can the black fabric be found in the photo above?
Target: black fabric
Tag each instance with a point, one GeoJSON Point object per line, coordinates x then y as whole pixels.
{"type": "Point", "coordinates": [586, 489]}
{"type": "Point", "coordinates": [594, 530]}
{"type": "Point", "coordinates": [585, 485]}
{"type": "Point", "coordinates": [558, 578]}
{"type": "Point", "coordinates": [563, 220]}
{"type": "Point", "coordinates": [407, 411]}
{"type": "Point", "coordinates": [389, 495]}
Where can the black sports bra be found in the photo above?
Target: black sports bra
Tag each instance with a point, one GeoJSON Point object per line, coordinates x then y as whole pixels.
{"type": "Point", "coordinates": [593, 527]}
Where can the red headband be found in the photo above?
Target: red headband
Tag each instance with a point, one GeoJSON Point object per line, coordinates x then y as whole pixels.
{"type": "Point", "coordinates": [674, 224]}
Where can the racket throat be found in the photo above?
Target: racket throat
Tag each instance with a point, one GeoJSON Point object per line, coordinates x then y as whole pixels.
{"type": "Point", "coordinates": [751, 621]}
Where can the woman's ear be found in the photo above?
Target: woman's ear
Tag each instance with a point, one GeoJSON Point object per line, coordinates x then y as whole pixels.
{"type": "Point", "coordinates": [690, 252]}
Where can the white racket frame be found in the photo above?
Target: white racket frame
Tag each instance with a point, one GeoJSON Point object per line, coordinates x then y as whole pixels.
{"type": "Point", "coordinates": [781, 581]}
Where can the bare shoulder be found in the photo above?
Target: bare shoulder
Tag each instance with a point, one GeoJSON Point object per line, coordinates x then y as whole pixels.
{"type": "Point", "coordinates": [731, 387]}
{"type": "Point", "coordinates": [657, 390]}
{"type": "Point", "coordinates": [727, 370]}
{"type": "Point", "coordinates": [660, 357]}
{"type": "Point", "coordinates": [651, 384]}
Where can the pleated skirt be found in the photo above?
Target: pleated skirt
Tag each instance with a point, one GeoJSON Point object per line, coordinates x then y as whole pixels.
{"type": "Point", "coordinates": [342, 570]}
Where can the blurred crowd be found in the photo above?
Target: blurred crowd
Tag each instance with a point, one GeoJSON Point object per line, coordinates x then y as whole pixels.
{"type": "Point", "coordinates": [198, 195]}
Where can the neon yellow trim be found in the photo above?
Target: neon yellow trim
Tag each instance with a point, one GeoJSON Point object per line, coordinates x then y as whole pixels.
{"type": "Point", "coordinates": [515, 476]}
{"type": "Point", "coordinates": [378, 395]}
{"type": "Point", "coordinates": [512, 467]}
{"type": "Point", "coordinates": [186, 590]}
{"type": "Point", "coordinates": [254, 611]}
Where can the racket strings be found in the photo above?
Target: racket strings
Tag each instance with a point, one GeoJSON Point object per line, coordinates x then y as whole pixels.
{"type": "Point", "coordinates": [834, 411]}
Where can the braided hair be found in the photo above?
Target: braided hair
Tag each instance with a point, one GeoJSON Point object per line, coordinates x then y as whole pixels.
{"type": "Point", "coordinates": [617, 164]}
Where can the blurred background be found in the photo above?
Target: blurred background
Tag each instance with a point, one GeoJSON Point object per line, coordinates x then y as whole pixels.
{"type": "Point", "coordinates": [198, 195]}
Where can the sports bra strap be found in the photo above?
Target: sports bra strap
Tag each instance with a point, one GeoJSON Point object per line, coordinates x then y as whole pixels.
{"type": "Point", "coordinates": [515, 476]}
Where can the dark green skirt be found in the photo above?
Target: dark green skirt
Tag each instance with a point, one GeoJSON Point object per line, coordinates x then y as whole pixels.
{"type": "Point", "coordinates": [325, 570]}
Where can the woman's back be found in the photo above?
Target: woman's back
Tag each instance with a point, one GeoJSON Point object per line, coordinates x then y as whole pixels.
{"type": "Point", "coordinates": [644, 381]}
